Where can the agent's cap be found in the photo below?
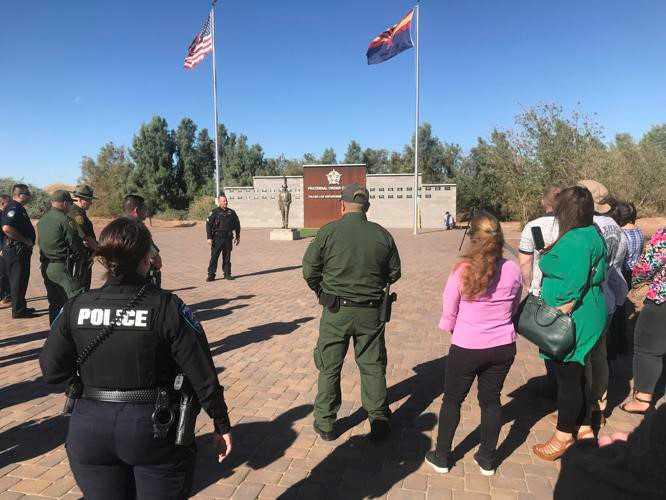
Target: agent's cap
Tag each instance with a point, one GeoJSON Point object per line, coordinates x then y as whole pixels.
{"type": "Point", "coordinates": [355, 193]}
{"type": "Point", "coordinates": [61, 195]}
{"type": "Point", "coordinates": [84, 191]}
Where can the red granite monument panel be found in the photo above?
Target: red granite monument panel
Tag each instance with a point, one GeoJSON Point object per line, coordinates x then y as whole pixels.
{"type": "Point", "coordinates": [322, 187]}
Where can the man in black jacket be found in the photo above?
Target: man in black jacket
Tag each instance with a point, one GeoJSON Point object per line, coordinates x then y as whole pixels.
{"type": "Point", "coordinates": [221, 225]}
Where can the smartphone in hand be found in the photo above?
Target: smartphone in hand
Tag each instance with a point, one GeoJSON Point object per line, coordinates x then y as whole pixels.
{"type": "Point", "coordinates": [537, 236]}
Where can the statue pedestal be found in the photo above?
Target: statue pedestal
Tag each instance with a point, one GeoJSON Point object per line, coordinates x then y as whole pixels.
{"type": "Point", "coordinates": [285, 235]}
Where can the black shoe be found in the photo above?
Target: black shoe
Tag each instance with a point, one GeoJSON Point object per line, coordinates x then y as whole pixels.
{"type": "Point", "coordinates": [30, 310]}
{"type": "Point", "coordinates": [326, 436]}
{"type": "Point", "coordinates": [24, 315]}
{"type": "Point", "coordinates": [210, 278]}
{"type": "Point", "coordinates": [438, 463]}
{"type": "Point", "coordinates": [379, 430]}
{"type": "Point", "coordinates": [485, 468]}
{"type": "Point", "coordinates": [228, 277]}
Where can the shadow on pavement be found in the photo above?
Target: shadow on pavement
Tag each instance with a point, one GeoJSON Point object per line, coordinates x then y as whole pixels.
{"type": "Point", "coordinates": [215, 303]}
{"type": "Point", "coordinates": [27, 390]}
{"type": "Point", "coordinates": [19, 357]}
{"type": "Point", "coordinates": [32, 439]}
{"type": "Point", "coordinates": [269, 271]}
{"type": "Point", "coordinates": [209, 314]}
{"type": "Point", "coordinates": [256, 334]}
{"type": "Point", "coordinates": [21, 339]}
{"type": "Point", "coordinates": [256, 445]}
{"type": "Point", "coordinates": [360, 469]}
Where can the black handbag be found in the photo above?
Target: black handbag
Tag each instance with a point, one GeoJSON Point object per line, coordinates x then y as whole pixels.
{"type": "Point", "coordinates": [552, 331]}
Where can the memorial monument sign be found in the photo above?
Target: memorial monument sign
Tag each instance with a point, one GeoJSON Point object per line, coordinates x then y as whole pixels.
{"type": "Point", "coordinates": [322, 187]}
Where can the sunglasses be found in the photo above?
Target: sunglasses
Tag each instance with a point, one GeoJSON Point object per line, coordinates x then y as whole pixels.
{"type": "Point", "coordinates": [24, 193]}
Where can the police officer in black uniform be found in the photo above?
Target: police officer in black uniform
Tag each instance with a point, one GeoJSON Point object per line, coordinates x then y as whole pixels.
{"type": "Point", "coordinates": [19, 240]}
{"type": "Point", "coordinates": [5, 292]}
{"type": "Point", "coordinates": [122, 347]}
{"type": "Point", "coordinates": [221, 225]}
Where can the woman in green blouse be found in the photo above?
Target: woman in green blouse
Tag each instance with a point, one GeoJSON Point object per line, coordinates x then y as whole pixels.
{"type": "Point", "coordinates": [573, 269]}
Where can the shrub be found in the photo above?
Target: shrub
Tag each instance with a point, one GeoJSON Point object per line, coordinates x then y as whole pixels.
{"type": "Point", "coordinates": [171, 214]}
{"type": "Point", "coordinates": [201, 207]}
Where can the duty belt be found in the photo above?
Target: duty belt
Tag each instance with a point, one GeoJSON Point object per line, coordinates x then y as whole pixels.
{"type": "Point", "coordinates": [147, 396]}
{"type": "Point", "coordinates": [370, 304]}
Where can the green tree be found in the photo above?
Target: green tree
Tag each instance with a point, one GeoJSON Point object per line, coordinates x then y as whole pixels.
{"type": "Point", "coordinates": [187, 168]}
{"type": "Point", "coordinates": [205, 161]}
{"type": "Point", "coordinates": [437, 160]}
{"type": "Point", "coordinates": [376, 160]}
{"type": "Point", "coordinates": [328, 157]}
{"type": "Point", "coordinates": [154, 176]}
{"type": "Point", "coordinates": [309, 159]}
{"type": "Point", "coordinates": [108, 176]}
{"type": "Point", "coordinates": [354, 153]}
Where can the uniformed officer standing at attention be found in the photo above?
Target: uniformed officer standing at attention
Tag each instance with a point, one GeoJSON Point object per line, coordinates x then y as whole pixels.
{"type": "Point", "coordinates": [19, 240]}
{"type": "Point", "coordinates": [134, 207]}
{"type": "Point", "coordinates": [133, 353]}
{"type": "Point", "coordinates": [348, 265]}
{"type": "Point", "coordinates": [221, 225]}
{"type": "Point", "coordinates": [61, 253]}
{"type": "Point", "coordinates": [83, 200]}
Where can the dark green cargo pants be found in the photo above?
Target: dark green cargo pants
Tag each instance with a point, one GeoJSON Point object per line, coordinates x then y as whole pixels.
{"type": "Point", "coordinates": [60, 286]}
{"type": "Point", "coordinates": [362, 325]}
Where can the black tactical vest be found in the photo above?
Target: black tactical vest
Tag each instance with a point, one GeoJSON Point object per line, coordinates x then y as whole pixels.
{"type": "Point", "coordinates": [135, 355]}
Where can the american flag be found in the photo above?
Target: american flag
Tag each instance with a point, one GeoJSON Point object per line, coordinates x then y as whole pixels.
{"type": "Point", "coordinates": [200, 46]}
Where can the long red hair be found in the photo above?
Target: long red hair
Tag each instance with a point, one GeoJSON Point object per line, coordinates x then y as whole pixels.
{"type": "Point", "coordinates": [483, 255]}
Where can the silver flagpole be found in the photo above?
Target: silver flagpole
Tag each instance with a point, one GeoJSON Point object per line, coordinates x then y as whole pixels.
{"type": "Point", "coordinates": [416, 134]}
{"type": "Point", "coordinates": [217, 150]}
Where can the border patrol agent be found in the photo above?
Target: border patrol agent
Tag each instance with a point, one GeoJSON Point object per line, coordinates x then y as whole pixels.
{"type": "Point", "coordinates": [348, 265]}
{"type": "Point", "coordinates": [221, 225]}
{"type": "Point", "coordinates": [83, 200]}
{"type": "Point", "coordinates": [19, 240]}
{"type": "Point", "coordinates": [60, 253]}
{"type": "Point", "coordinates": [126, 343]}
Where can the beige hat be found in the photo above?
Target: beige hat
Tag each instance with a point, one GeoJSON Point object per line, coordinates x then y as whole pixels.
{"type": "Point", "coordinates": [599, 195]}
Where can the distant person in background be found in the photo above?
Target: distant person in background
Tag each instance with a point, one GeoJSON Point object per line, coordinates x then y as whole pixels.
{"type": "Point", "coordinates": [480, 298]}
{"type": "Point", "coordinates": [449, 221]}
{"type": "Point", "coordinates": [529, 256]}
{"type": "Point", "coordinates": [83, 200]}
{"type": "Point", "coordinates": [615, 291]}
{"type": "Point", "coordinates": [650, 333]}
{"type": "Point", "coordinates": [222, 231]}
{"type": "Point", "coordinates": [5, 293]}
{"type": "Point", "coordinates": [574, 268]}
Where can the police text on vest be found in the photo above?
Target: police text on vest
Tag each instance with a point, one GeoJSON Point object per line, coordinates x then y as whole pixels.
{"type": "Point", "coordinates": [103, 317]}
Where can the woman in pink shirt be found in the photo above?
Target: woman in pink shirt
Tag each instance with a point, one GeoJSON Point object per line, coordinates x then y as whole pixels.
{"type": "Point", "coordinates": [480, 298]}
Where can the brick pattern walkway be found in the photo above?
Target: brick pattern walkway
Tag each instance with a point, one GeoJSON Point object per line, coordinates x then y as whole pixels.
{"type": "Point", "coordinates": [262, 328]}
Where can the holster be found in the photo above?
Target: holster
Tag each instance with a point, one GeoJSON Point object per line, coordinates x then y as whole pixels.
{"type": "Point", "coordinates": [386, 306]}
{"type": "Point", "coordinates": [73, 392]}
{"type": "Point", "coordinates": [163, 415]}
{"type": "Point", "coordinates": [331, 302]}
{"type": "Point", "coordinates": [188, 410]}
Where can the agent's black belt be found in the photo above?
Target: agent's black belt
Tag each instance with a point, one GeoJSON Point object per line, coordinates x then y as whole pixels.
{"type": "Point", "coordinates": [110, 396]}
{"type": "Point", "coordinates": [370, 304]}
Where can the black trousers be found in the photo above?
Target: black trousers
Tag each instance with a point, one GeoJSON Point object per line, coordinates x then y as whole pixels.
{"type": "Point", "coordinates": [5, 291]}
{"type": "Point", "coordinates": [220, 246]}
{"type": "Point", "coordinates": [18, 270]}
{"type": "Point", "coordinates": [573, 409]}
{"type": "Point", "coordinates": [650, 348]}
{"type": "Point", "coordinates": [491, 366]}
{"type": "Point", "coordinates": [113, 454]}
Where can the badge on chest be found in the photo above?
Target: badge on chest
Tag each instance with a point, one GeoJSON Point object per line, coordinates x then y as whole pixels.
{"type": "Point", "coordinates": [136, 319]}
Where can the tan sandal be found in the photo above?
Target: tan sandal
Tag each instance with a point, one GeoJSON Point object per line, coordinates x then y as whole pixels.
{"type": "Point", "coordinates": [552, 449]}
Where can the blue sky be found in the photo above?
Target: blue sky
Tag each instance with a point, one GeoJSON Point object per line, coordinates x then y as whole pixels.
{"type": "Point", "coordinates": [293, 77]}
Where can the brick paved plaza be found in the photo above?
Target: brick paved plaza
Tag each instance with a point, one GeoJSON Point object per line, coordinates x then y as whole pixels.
{"type": "Point", "coordinates": [262, 328]}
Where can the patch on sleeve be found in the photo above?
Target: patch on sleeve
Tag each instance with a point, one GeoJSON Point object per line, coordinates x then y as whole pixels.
{"type": "Point", "coordinates": [11, 213]}
{"type": "Point", "coordinates": [188, 316]}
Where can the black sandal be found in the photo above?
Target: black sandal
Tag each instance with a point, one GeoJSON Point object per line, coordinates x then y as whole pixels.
{"type": "Point", "coordinates": [650, 408]}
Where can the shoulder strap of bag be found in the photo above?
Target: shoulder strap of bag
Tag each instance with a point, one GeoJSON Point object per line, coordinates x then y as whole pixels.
{"type": "Point", "coordinates": [107, 331]}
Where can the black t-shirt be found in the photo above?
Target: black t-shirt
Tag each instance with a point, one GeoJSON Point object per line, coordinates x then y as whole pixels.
{"type": "Point", "coordinates": [16, 216]}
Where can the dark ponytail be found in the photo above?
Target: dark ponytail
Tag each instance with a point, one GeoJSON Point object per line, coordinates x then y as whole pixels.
{"type": "Point", "coordinates": [122, 246]}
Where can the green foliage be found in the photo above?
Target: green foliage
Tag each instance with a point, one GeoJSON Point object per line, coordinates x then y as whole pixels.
{"type": "Point", "coordinates": [171, 214]}
{"type": "Point", "coordinates": [328, 157]}
{"type": "Point", "coordinates": [354, 153]}
{"type": "Point", "coordinates": [39, 203]}
{"type": "Point", "coordinates": [154, 175]}
{"type": "Point", "coordinates": [201, 207]}
{"type": "Point", "coordinates": [108, 176]}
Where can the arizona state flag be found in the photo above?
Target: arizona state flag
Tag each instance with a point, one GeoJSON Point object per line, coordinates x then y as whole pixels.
{"type": "Point", "coordinates": [393, 41]}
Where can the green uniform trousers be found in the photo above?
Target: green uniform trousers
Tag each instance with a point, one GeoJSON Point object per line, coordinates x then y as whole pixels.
{"type": "Point", "coordinates": [335, 330]}
{"type": "Point", "coordinates": [60, 286]}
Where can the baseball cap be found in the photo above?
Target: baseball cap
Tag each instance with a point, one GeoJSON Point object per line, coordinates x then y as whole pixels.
{"type": "Point", "coordinates": [355, 193]}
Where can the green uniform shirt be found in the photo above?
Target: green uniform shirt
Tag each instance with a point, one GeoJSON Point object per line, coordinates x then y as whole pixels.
{"type": "Point", "coordinates": [57, 235]}
{"type": "Point", "coordinates": [352, 258]}
{"type": "Point", "coordinates": [78, 215]}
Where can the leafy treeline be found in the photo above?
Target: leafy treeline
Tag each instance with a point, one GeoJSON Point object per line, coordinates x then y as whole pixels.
{"type": "Point", "coordinates": [40, 200]}
{"type": "Point", "coordinates": [505, 173]}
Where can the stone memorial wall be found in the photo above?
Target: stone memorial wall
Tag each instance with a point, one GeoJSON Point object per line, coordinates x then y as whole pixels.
{"type": "Point", "coordinates": [391, 201]}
